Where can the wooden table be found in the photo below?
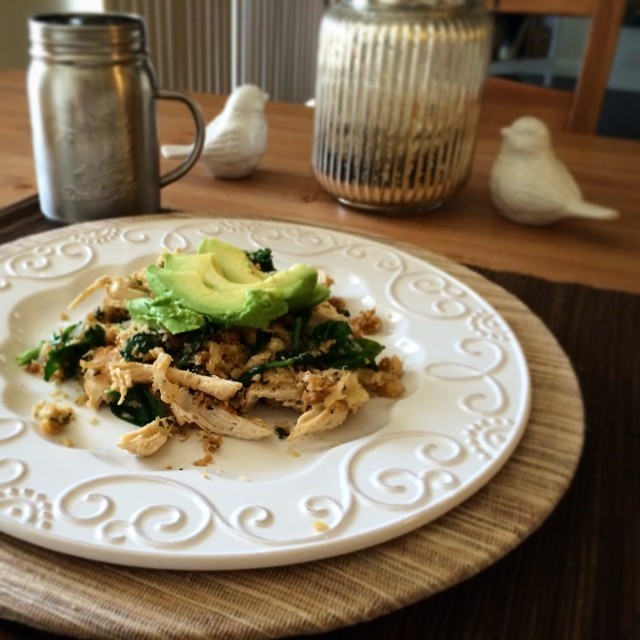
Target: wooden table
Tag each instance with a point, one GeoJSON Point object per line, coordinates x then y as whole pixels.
{"type": "Point", "coordinates": [467, 230]}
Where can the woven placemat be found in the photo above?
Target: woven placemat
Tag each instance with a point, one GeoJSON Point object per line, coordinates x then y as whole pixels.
{"type": "Point", "coordinates": [86, 599]}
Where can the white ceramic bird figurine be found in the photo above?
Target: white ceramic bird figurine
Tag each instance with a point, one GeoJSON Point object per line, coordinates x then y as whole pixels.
{"type": "Point", "coordinates": [236, 139]}
{"type": "Point", "coordinates": [530, 185]}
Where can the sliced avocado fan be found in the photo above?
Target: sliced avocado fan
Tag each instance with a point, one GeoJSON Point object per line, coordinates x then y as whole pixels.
{"type": "Point", "coordinates": [221, 283]}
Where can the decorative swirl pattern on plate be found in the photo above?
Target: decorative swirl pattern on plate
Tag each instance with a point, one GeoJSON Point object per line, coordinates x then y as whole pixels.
{"type": "Point", "coordinates": [110, 505]}
{"type": "Point", "coordinates": [293, 240]}
{"type": "Point", "coordinates": [426, 475]}
{"type": "Point", "coordinates": [488, 436]}
{"type": "Point", "coordinates": [488, 325]}
{"type": "Point", "coordinates": [185, 237]}
{"type": "Point", "coordinates": [433, 295]}
{"type": "Point", "coordinates": [12, 471]}
{"type": "Point", "coordinates": [379, 258]}
{"type": "Point", "coordinates": [11, 427]}
{"type": "Point", "coordinates": [176, 240]}
{"type": "Point", "coordinates": [324, 509]}
{"type": "Point", "coordinates": [188, 237]}
{"type": "Point", "coordinates": [486, 402]}
{"type": "Point", "coordinates": [99, 236]}
{"type": "Point", "coordinates": [254, 521]}
{"type": "Point", "coordinates": [55, 260]}
{"type": "Point", "coordinates": [143, 235]}
{"type": "Point", "coordinates": [27, 507]}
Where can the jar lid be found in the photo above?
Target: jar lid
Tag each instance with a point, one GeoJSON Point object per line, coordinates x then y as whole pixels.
{"type": "Point", "coordinates": [115, 35]}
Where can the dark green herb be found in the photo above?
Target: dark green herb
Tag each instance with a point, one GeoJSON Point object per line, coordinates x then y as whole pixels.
{"type": "Point", "coordinates": [28, 356]}
{"type": "Point", "coordinates": [180, 347]}
{"type": "Point", "coordinates": [344, 351]}
{"type": "Point", "coordinates": [140, 406]}
{"type": "Point", "coordinates": [306, 357]}
{"type": "Point", "coordinates": [70, 346]}
{"type": "Point", "coordinates": [192, 344]}
{"type": "Point", "coordinates": [112, 315]}
{"type": "Point", "coordinates": [282, 433]}
{"type": "Point", "coordinates": [65, 335]}
{"type": "Point", "coordinates": [139, 344]}
{"type": "Point", "coordinates": [262, 258]}
{"type": "Point", "coordinates": [296, 333]}
{"type": "Point", "coordinates": [260, 343]}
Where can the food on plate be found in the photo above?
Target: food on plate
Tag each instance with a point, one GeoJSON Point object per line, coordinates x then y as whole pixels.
{"type": "Point", "coordinates": [202, 339]}
{"type": "Point", "coordinates": [52, 416]}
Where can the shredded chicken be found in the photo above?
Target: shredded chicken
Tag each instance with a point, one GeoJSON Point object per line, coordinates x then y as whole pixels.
{"type": "Point", "coordinates": [218, 419]}
{"type": "Point", "coordinates": [193, 408]}
{"type": "Point", "coordinates": [125, 374]}
{"type": "Point", "coordinates": [281, 385]}
{"type": "Point", "coordinates": [331, 396]}
{"type": "Point", "coordinates": [146, 440]}
{"type": "Point", "coordinates": [116, 288]}
{"type": "Point", "coordinates": [322, 313]}
{"type": "Point", "coordinates": [320, 418]}
{"type": "Point", "coordinates": [96, 378]}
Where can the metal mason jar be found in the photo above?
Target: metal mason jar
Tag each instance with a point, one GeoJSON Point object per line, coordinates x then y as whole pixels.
{"type": "Point", "coordinates": [398, 96]}
{"type": "Point", "coordinates": [92, 95]}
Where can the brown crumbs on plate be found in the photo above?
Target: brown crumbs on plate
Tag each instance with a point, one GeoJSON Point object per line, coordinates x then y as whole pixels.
{"type": "Point", "coordinates": [210, 442]}
{"type": "Point", "coordinates": [52, 417]}
{"type": "Point", "coordinates": [366, 323]}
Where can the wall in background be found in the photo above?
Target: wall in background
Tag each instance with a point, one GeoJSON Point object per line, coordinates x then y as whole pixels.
{"type": "Point", "coordinates": [217, 45]}
{"type": "Point", "coordinates": [14, 34]}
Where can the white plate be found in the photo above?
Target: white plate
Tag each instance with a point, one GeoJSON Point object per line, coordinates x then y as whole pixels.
{"type": "Point", "coordinates": [396, 466]}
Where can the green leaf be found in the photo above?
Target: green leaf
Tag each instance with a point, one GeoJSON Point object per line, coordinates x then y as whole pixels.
{"type": "Point", "coordinates": [192, 344]}
{"type": "Point", "coordinates": [180, 347]}
{"type": "Point", "coordinates": [67, 349]}
{"type": "Point", "coordinates": [28, 356]}
{"type": "Point", "coordinates": [139, 344]}
{"type": "Point", "coordinates": [140, 406]}
{"type": "Point", "coordinates": [262, 258]}
{"type": "Point", "coordinates": [345, 352]}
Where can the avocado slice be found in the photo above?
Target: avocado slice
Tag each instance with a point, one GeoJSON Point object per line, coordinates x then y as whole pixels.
{"type": "Point", "coordinates": [236, 266]}
{"type": "Point", "coordinates": [298, 283]}
{"type": "Point", "coordinates": [219, 284]}
{"type": "Point", "coordinates": [239, 305]}
{"type": "Point", "coordinates": [234, 262]}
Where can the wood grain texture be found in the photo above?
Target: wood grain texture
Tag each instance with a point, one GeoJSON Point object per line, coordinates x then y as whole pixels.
{"type": "Point", "coordinates": [80, 598]}
{"type": "Point", "coordinates": [587, 99]}
{"type": "Point", "coordinates": [551, 7]}
{"type": "Point", "coordinates": [596, 65]}
{"type": "Point", "coordinates": [466, 229]}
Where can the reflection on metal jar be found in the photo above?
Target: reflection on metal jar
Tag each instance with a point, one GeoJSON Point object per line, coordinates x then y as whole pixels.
{"type": "Point", "coordinates": [398, 97]}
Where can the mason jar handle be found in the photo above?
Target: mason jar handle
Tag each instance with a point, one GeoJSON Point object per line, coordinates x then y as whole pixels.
{"type": "Point", "coordinates": [192, 158]}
